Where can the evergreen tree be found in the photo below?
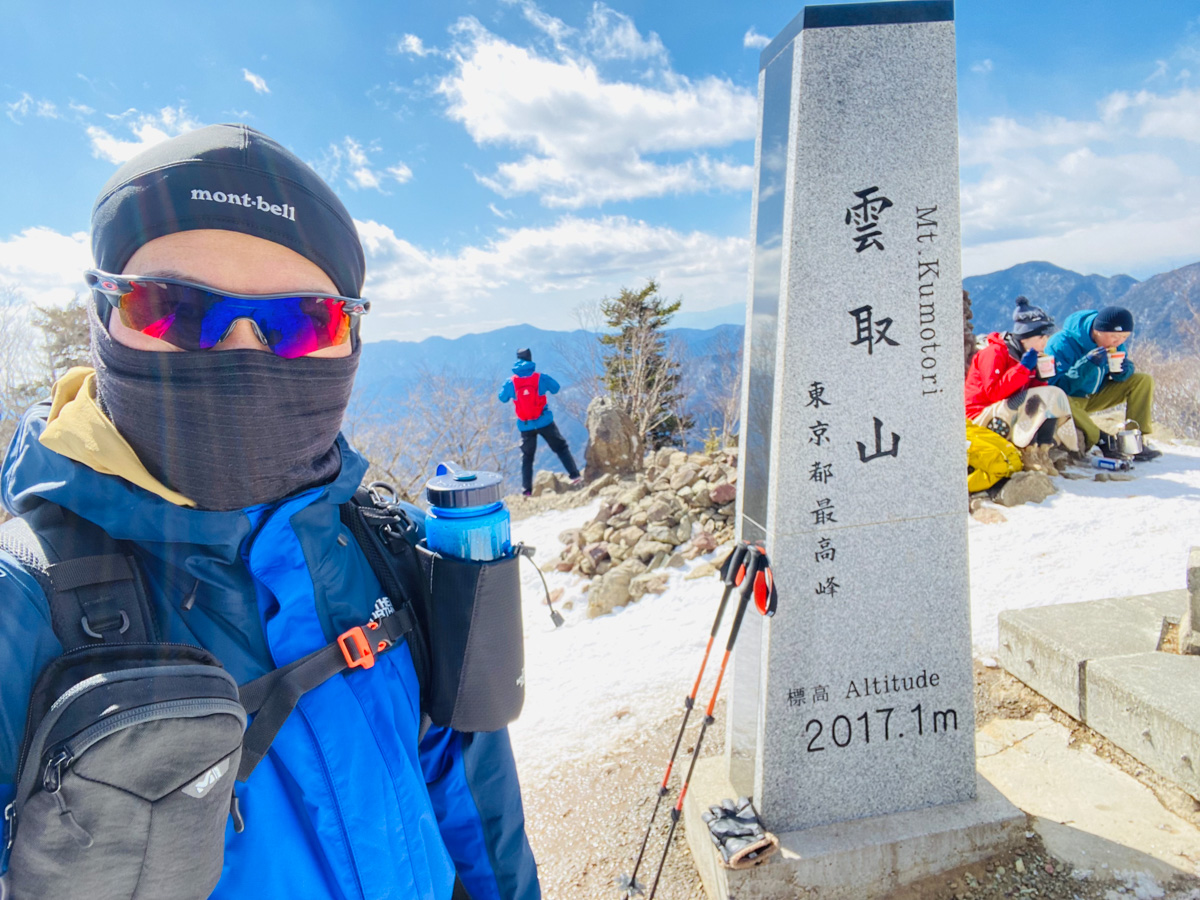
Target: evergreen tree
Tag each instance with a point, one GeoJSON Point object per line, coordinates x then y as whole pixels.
{"type": "Point", "coordinates": [64, 335]}
{"type": "Point", "coordinates": [640, 372]}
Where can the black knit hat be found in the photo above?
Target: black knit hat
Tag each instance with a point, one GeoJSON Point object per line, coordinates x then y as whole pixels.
{"type": "Point", "coordinates": [1113, 318]}
{"type": "Point", "coordinates": [233, 178]}
{"type": "Point", "coordinates": [1030, 320]}
{"type": "Point", "coordinates": [525, 354]}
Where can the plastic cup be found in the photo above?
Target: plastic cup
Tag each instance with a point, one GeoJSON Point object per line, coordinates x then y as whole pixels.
{"type": "Point", "coordinates": [1115, 360]}
{"type": "Point", "coordinates": [1045, 366]}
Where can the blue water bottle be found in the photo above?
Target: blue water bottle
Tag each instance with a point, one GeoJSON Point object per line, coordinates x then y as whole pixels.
{"type": "Point", "coordinates": [467, 518]}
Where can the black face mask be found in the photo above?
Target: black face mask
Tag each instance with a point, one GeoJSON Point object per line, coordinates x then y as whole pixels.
{"type": "Point", "coordinates": [226, 428]}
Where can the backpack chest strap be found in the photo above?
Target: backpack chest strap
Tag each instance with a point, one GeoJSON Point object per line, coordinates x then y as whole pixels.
{"type": "Point", "coordinates": [272, 697]}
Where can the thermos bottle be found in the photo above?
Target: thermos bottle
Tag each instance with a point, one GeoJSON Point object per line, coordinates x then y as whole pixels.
{"type": "Point", "coordinates": [467, 519]}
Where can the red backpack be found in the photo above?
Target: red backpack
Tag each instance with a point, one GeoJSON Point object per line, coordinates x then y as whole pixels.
{"type": "Point", "coordinates": [529, 403]}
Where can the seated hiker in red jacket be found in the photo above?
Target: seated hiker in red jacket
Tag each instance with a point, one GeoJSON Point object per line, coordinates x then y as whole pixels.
{"type": "Point", "coordinates": [528, 389]}
{"type": "Point", "coordinates": [1004, 392]}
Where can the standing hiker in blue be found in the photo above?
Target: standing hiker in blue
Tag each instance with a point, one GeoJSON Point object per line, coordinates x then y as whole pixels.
{"type": "Point", "coordinates": [206, 440]}
{"type": "Point", "coordinates": [528, 389]}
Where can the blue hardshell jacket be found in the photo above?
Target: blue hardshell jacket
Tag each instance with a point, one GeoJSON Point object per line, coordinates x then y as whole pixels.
{"type": "Point", "coordinates": [546, 385]}
{"type": "Point", "coordinates": [348, 804]}
{"type": "Point", "coordinates": [1077, 376]}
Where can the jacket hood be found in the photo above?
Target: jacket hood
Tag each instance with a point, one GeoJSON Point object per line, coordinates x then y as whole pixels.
{"type": "Point", "coordinates": [523, 368]}
{"type": "Point", "coordinates": [32, 472]}
{"type": "Point", "coordinates": [1079, 326]}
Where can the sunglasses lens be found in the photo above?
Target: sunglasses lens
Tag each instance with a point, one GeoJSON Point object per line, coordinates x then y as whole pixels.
{"type": "Point", "coordinates": [194, 319]}
{"type": "Point", "coordinates": [169, 312]}
{"type": "Point", "coordinates": [301, 325]}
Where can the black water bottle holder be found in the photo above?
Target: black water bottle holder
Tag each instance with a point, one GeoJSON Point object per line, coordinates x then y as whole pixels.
{"type": "Point", "coordinates": [476, 643]}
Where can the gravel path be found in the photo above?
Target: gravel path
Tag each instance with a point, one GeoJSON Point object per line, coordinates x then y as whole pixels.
{"type": "Point", "coordinates": [586, 820]}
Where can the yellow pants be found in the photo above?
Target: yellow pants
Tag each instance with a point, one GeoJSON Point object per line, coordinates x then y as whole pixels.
{"type": "Point", "coordinates": [1136, 392]}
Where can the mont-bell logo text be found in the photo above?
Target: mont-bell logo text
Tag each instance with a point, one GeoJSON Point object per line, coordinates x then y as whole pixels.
{"type": "Point", "coordinates": [282, 210]}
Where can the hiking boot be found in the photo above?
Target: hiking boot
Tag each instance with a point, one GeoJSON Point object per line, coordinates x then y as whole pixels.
{"type": "Point", "coordinates": [526, 493]}
{"type": "Point", "coordinates": [1148, 453]}
{"type": "Point", "coordinates": [1036, 458]}
{"type": "Point", "coordinates": [1107, 445]}
{"type": "Point", "coordinates": [577, 480]}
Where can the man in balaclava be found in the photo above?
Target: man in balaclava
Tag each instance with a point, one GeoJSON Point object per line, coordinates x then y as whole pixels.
{"type": "Point", "coordinates": [527, 389]}
{"type": "Point", "coordinates": [206, 438]}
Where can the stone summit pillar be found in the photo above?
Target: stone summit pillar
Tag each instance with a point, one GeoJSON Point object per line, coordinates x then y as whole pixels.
{"type": "Point", "coordinates": [863, 701]}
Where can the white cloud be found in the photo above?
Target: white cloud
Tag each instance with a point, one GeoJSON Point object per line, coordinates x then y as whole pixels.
{"type": "Point", "coordinates": [402, 173]}
{"type": "Point", "coordinates": [612, 35]}
{"type": "Point", "coordinates": [1109, 194]}
{"type": "Point", "coordinates": [45, 265]}
{"type": "Point", "coordinates": [256, 81]}
{"type": "Point", "coordinates": [81, 108]}
{"type": "Point", "coordinates": [540, 275]}
{"type": "Point", "coordinates": [411, 45]}
{"type": "Point", "coordinates": [351, 161]}
{"type": "Point", "coordinates": [590, 140]}
{"type": "Point", "coordinates": [556, 29]}
{"type": "Point", "coordinates": [983, 67]}
{"type": "Point", "coordinates": [148, 129]}
{"type": "Point", "coordinates": [26, 104]}
{"type": "Point", "coordinates": [752, 40]}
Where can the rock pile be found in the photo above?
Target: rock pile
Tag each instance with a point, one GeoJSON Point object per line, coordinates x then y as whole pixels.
{"type": "Point", "coordinates": [679, 507]}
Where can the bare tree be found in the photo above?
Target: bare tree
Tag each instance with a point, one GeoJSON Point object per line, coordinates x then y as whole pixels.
{"type": "Point", "coordinates": [582, 368]}
{"type": "Point", "coordinates": [443, 415]}
{"type": "Point", "coordinates": [23, 375]}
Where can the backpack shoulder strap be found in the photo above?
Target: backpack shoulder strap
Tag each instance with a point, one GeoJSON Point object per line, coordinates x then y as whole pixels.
{"type": "Point", "coordinates": [387, 533]}
{"type": "Point", "coordinates": [91, 582]}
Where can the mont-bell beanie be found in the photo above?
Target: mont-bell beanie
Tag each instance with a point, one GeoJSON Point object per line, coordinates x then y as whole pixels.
{"type": "Point", "coordinates": [1030, 320]}
{"type": "Point", "coordinates": [1113, 318]}
{"type": "Point", "coordinates": [525, 354]}
{"type": "Point", "coordinates": [233, 178]}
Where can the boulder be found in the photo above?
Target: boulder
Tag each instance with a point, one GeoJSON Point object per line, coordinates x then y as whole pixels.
{"type": "Point", "coordinates": [630, 536]}
{"type": "Point", "coordinates": [593, 489]}
{"type": "Point", "coordinates": [593, 532]}
{"type": "Point", "coordinates": [704, 570]}
{"type": "Point", "coordinates": [723, 493]}
{"type": "Point", "coordinates": [633, 495]}
{"type": "Point", "coordinates": [647, 583]}
{"type": "Point", "coordinates": [647, 548]}
{"type": "Point", "coordinates": [612, 589]}
{"type": "Point", "coordinates": [546, 483]}
{"type": "Point", "coordinates": [988, 515]}
{"type": "Point", "coordinates": [662, 457]}
{"type": "Point", "coordinates": [684, 476]}
{"type": "Point", "coordinates": [572, 536]}
{"type": "Point", "coordinates": [613, 446]}
{"type": "Point", "coordinates": [1024, 487]}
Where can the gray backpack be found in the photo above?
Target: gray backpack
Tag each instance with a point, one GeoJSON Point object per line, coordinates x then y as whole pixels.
{"type": "Point", "coordinates": [132, 745]}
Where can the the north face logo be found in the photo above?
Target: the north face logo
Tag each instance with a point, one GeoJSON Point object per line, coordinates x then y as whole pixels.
{"type": "Point", "coordinates": [206, 781]}
{"type": "Point", "coordinates": [383, 609]}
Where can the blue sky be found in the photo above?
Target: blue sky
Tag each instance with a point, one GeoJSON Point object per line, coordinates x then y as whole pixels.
{"type": "Point", "coordinates": [509, 160]}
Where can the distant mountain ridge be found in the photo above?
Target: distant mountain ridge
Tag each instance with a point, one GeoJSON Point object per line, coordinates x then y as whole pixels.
{"type": "Point", "coordinates": [1159, 304]}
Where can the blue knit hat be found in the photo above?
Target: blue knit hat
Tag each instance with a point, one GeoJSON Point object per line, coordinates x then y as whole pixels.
{"type": "Point", "coordinates": [1113, 319]}
{"type": "Point", "coordinates": [1030, 320]}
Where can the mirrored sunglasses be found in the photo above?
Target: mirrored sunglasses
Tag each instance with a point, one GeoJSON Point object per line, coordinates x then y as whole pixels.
{"type": "Point", "coordinates": [194, 317]}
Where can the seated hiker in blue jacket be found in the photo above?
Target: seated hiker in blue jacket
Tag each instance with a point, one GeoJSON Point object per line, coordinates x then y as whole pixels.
{"type": "Point", "coordinates": [1093, 369]}
{"type": "Point", "coordinates": [207, 439]}
{"type": "Point", "coordinates": [528, 389]}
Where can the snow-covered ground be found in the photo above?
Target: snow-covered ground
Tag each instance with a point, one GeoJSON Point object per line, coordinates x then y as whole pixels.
{"type": "Point", "coordinates": [593, 682]}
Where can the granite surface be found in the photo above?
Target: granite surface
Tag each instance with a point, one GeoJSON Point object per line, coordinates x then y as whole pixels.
{"type": "Point", "coordinates": [865, 496]}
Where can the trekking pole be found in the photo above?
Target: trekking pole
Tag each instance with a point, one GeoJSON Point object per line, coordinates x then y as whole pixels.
{"type": "Point", "coordinates": [760, 585]}
{"type": "Point", "coordinates": [733, 571]}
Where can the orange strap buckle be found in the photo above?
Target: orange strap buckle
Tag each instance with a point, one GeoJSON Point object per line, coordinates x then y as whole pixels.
{"type": "Point", "coordinates": [362, 657]}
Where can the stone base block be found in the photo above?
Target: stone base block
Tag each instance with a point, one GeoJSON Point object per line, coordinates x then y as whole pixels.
{"type": "Point", "coordinates": [861, 858]}
{"type": "Point", "coordinates": [1149, 705]}
{"type": "Point", "coordinates": [1049, 647]}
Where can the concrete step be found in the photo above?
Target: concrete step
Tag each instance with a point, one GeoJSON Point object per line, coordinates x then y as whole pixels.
{"type": "Point", "coordinates": [1097, 661]}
